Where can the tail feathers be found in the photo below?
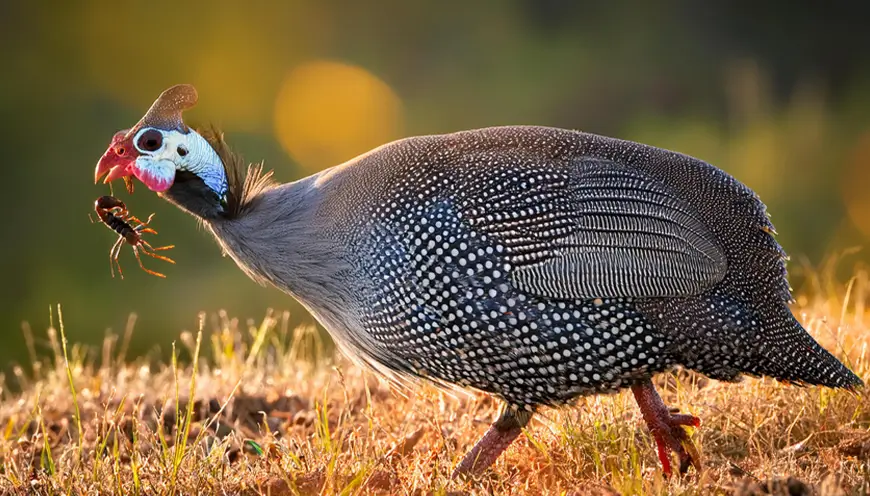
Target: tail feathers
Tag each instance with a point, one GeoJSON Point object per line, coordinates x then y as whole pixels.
{"type": "Point", "coordinates": [727, 338]}
{"type": "Point", "coordinates": [790, 354]}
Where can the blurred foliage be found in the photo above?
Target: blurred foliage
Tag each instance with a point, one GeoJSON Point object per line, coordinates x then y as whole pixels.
{"type": "Point", "coordinates": [777, 94]}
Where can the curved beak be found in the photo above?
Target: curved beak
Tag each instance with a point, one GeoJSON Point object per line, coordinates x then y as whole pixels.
{"type": "Point", "coordinates": [115, 166]}
{"type": "Point", "coordinates": [112, 166]}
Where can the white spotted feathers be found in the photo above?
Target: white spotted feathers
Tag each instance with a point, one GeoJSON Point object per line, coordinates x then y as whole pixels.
{"type": "Point", "coordinates": [541, 264]}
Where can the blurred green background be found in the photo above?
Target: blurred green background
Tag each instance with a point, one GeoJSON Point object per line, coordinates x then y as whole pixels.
{"type": "Point", "coordinates": [776, 93]}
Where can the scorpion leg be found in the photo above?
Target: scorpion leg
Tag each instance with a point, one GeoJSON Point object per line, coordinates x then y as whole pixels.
{"type": "Point", "coordinates": [114, 253]}
{"type": "Point", "coordinates": [135, 219]}
{"type": "Point", "coordinates": [142, 225]}
{"type": "Point", "coordinates": [143, 228]}
{"type": "Point", "coordinates": [149, 250]}
{"type": "Point", "coordinates": [136, 252]}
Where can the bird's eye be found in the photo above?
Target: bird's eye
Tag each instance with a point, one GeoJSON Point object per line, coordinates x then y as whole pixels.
{"type": "Point", "coordinates": [120, 150]}
{"type": "Point", "coordinates": [181, 151]}
{"type": "Point", "coordinates": [151, 140]}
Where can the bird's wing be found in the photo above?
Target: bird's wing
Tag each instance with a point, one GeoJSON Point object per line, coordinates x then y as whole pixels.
{"type": "Point", "coordinates": [597, 228]}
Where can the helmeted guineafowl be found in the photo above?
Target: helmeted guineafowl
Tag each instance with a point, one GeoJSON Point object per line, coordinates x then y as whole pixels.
{"type": "Point", "coordinates": [533, 263]}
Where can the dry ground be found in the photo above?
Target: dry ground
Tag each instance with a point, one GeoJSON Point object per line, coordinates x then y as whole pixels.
{"type": "Point", "coordinates": [273, 413]}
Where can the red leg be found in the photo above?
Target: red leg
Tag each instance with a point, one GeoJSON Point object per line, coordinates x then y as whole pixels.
{"type": "Point", "coordinates": [667, 428]}
{"type": "Point", "coordinates": [499, 436]}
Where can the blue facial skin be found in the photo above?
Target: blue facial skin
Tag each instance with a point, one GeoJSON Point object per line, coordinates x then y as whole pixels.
{"type": "Point", "coordinates": [216, 180]}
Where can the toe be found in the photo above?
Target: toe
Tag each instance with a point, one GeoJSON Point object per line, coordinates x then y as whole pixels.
{"type": "Point", "coordinates": [681, 419]}
{"type": "Point", "coordinates": [674, 438]}
{"type": "Point", "coordinates": [685, 448]}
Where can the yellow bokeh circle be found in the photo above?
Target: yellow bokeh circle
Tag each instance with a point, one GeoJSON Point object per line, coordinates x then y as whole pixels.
{"type": "Point", "coordinates": [328, 112]}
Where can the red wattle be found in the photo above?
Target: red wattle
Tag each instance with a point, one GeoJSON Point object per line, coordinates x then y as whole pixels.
{"type": "Point", "coordinates": [154, 180]}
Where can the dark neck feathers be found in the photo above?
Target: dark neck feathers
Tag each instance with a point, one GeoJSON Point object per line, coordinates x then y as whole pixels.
{"type": "Point", "coordinates": [246, 183]}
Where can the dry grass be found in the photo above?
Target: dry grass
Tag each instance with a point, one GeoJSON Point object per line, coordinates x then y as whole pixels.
{"type": "Point", "coordinates": [274, 414]}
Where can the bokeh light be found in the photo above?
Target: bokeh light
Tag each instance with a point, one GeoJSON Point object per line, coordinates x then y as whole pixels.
{"type": "Point", "coordinates": [328, 112]}
{"type": "Point", "coordinates": [856, 185]}
{"type": "Point", "coordinates": [231, 63]}
{"type": "Point", "coordinates": [306, 84]}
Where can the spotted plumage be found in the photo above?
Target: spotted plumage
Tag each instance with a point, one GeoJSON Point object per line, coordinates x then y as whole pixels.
{"type": "Point", "coordinates": [537, 264]}
{"type": "Point", "coordinates": [444, 305]}
{"type": "Point", "coordinates": [542, 264]}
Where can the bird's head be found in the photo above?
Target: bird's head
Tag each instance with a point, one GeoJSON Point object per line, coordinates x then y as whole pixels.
{"type": "Point", "coordinates": [168, 157]}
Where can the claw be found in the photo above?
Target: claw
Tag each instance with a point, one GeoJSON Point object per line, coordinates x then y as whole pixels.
{"type": "Point", "coordinates": [673, 437]}
{"type": "Point", "coordinates": [668, 429]}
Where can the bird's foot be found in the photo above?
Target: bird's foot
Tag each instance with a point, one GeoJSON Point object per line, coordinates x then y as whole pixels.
{"type": "Point", "coordinates": [671, 435]}
{"type": "Point", "coordinates": [668, 429]}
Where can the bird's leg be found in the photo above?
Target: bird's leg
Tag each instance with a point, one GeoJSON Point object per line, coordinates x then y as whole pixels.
{"type": "Point", "coordinates": [668, 429]}
{"type": "Point", "coordinates": [499, 436]}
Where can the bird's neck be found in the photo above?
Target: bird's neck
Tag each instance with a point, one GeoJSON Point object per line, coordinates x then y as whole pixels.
{"type": "Point", "coordinates": [278, 240]}
{"type": "Point", "coordinates": [276, 234]}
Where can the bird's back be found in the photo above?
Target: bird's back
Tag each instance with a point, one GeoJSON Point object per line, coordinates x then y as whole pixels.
{"type": "Point", "coordinates": [540, 264]}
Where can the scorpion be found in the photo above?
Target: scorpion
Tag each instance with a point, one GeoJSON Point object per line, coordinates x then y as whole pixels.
{"type": "Point", "coordinates": [113, 213]}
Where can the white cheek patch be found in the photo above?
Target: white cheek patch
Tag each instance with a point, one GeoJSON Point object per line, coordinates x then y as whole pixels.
{"type": "Point", "coordinates": [199, 158]}
{"type": "Point", "coordinates": [157, 175]}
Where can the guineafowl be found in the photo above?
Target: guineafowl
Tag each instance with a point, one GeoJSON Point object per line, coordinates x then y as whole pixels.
{"type": "Point", "coordinates": [533, 263]}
